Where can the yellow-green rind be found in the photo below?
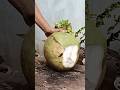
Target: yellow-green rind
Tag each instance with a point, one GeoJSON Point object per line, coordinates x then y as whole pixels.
{"type": "Point", "coordinates": [54, 46]}
{"type": "Point", "coordinates": [27, 57]}
{"type": "Point", "coordinates": [65, 39]}
{"type": "Point", "coordinates": [93, 35]}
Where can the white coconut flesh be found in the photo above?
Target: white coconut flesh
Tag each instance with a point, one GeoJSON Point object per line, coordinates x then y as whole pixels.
{"type": "Point", "coordinates": [95, 55]}
{"type": "Point", "coordinates": [70, 55]}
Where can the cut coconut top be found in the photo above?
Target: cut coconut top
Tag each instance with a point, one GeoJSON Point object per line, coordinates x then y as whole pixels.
{"type": "Point", "coordinates": [69, 39]}
{"type": "Point", "coordinates": [70, 56]}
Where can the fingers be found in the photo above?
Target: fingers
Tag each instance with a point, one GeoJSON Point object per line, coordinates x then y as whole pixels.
{"type": "Point", "coordinates": [54, 30]}
{"type": "Point", "coordinates": [59, 30]}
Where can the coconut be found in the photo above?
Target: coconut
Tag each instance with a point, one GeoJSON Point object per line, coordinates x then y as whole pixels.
{"type": "Point", "coordinates": [95, 54]}
{"type": "Point", "coordinates": [27, 57]}
{"type": "Point", "coordinates": [61, 51]}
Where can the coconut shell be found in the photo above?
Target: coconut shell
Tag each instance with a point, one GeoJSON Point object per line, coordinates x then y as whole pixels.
{"type": "Point", "coordinates": [94, 36]}
{"type": "Point", "coordinates": [54, 47]}
{"type": "Point", "coordinates": [27, 57]}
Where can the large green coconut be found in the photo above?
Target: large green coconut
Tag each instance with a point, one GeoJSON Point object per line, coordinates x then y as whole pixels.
{"type": "Point", "coordinates": [27, 54]}
{"type": "Point", "coordinates": [95, 54]}
{"type": "Point", "coordinates": [61, 51]}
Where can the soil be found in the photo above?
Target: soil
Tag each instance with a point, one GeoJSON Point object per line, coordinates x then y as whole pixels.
{"type": "Point", "coordinates": [48, 79]}
{"type": "Point", "coordinates": [112, 70]}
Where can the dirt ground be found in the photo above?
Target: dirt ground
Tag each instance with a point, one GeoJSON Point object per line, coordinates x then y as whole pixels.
{"type": "Point", "coordinates": [47, 79]}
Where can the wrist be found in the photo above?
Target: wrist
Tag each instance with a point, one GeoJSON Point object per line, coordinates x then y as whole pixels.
{"type": "Point", "coordinates": [47, 29]}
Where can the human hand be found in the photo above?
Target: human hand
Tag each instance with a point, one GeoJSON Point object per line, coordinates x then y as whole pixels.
{"type": "Point", "coordinates": [52, 30]}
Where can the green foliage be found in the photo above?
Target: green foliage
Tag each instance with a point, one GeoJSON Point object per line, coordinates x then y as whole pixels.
{"type": "Point", "coordinates": [107, 14]}
{"type": "Point", "coordinates": [79, 31]}
{"type": "Point", "coordinates": [82, 36]}
{"type": "Point", "coordinates": [64, 24]}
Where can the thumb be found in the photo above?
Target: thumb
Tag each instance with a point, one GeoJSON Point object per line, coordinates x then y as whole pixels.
{"type": "Point", "coordinates": [60, 30]}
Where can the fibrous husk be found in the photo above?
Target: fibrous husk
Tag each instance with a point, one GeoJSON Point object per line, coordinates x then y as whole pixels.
{"type": "Point", "coordinates": [55, 48]}
{"type": "Point", "coordinates": [28, 56]}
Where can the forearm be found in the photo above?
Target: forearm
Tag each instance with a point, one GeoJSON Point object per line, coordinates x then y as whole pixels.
{"type": "Point", "coordinates": [40, 20]}
{"type": "Point", "coordinates": [32, 14]}
{"type": "Point", "coordinates": [26, 8]}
